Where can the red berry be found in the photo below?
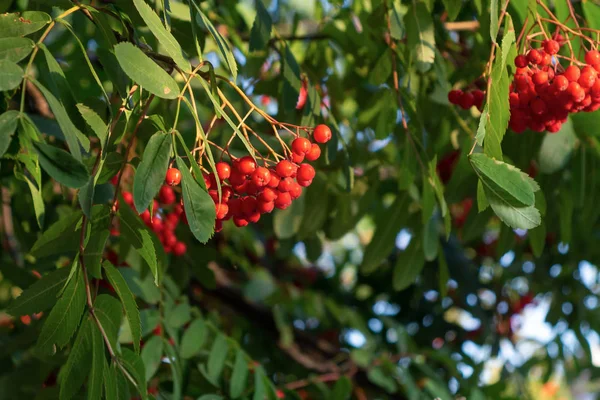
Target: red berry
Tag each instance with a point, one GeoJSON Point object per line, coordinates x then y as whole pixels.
{"type": "Point", "coordinates": [268, 194]}
{"type": "Point", "coordinates": [546, 59]}
{"type": "Point", "coordinates": [283, 200]}
{"type": "Point", "coordinates": [128, 197]}
{"type": "Point", "coordinates": [173, 177]}
{"type": "Point", "coordinates": [534, 56]}
{"type": "Point", "coordinates": [305, 183]}
{"type": "Point", "coordinates": [302, 97]}
{"type": "Point", "coordinates": [538, 106]}
{"type": "Point", "coordinates": [572, 73]}
{"type": "Point", "coordinates": [592, 57]}
{"type": "Point", "coordinates": [301, 145]}
{"type": "Point", "coordinates": [274, 182]}
{"type": "Point", "coordinates": [521, 61]}
{"type": "Point", "coordinates": [587, 80]}
{"type": "Point", "coordinates": [540, 77]}
{"type": "Point", "coordinates": [266, 207]}
{"type": "Point", "coordinates": [261, 176]}
{"type": "Point", "coordinates": [218, 225]}
{"type": "Point", "coordinates": [246, 165]}
{"type": "Point", "coordinates": [240, 222]}
{"type": "Point", "coordinates": [576, 91]}
{"type": "Point", "coordinates": [466, 100]}
{"type": "Point", "coordinates": [296, 190]}
{"type": "Point", "coordinates": [285, 185]}
{"type": "Point", "coordinates": [561, 83]}
{"type": "Point", "coordinates": [478, 97]}
{"type": "Point", "coordinates": [314, 153]}
{"type": "Point", "coordinates": [179, 249]}
{"type": "Point", "coordinates": [237, 178]}
{"type": "Point", "coordinates": [305, 173]}
{"type": "Point", "coordinates": [513, 100]}
{"type": "Point", "coordinates": [170, 240]}
{"type": "Point", "coordinates": [166, 195]}
{"type": "Point", "coordinates": [297, 158]}
{"type": "Point", "coordinates": [595, 89]}
{"type": "Point", "coordinates": [551, 46]}
{"type": "Point", "coordinates": [207, 181]}
{"type": "Point", "coordinates": [284, 168]}
{"type": "Point", "coordinates": [322, 133]}
{"type": "Point", "coordinates": [223, 170]}
{"type": "Point", "coordinates": [254, 217]}
{"type": "Point", "coordinates": [454, 96]}
{"type": "Point", "coordinates": [222, 209]}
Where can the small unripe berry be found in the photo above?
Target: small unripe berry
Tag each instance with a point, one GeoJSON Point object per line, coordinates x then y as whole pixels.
{"type": "Point", "coordinates": [322, 133]}
{"type": "Point", "coordinates": [173, 177]}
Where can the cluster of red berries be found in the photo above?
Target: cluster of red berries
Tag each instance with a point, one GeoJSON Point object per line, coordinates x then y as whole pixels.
{"type": "Point", "coordinates": [249, 190]}
{"type": "Point", "coordinates": [543, 93]}
{"type": "Point", "coordinates": [466, 99]}
{"type": "Point", "coordinates": [167, 213]}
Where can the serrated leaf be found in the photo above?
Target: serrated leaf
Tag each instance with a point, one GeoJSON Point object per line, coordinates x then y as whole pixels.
{"type": "Point", "coordinates": [261, 28]}
{"type": "Point", "coordinates": [516, 217]}
{"type": "Point", "coordinates": [62, 236]}
{"type": "Point", "coordinates": [498, 108]}
{"type": "Point", "coordinates": [109, 313]}
{"type": "Point", "coordinates": [397, 28]}
{"type": "Point", "coordinates": [482, 202]}
{"type": "Point", "coordinates": [94, 121]}
{"type": "Point", "coordinates": [165, 38]}
{"type": "Point", "coordinates": [21, 24]}
{"type": "Point", "coordinates": [94, 384]}
{"type": "Point", "coordinates": [193, 339]}
{"type": "Point", "coordinates": [239, 376]}
{"type": "Point", "coordinates": [483, 121]}
{"type": "Point", "coordinates": [494, 19]}
{"type": "Point", "coordinates": [556, 149]}
{"type": "Point", "coordinates": [136, 233]}
{"type": "Point", "coordinates": [36, 195]}
{"type": "Point", "coordinates": [504, 180]}
{"type": "Point", "coordinates": [86, 196]}
{"type": "Point", "coordinates": [199, 206]}
{"type": "Point", "coordinates": [387, 226]}
{"type": "Point", "coordinates": [61, 166]}
{"type": "Point", "coordinates": [431, 239]}
{"type": "Point", "coordinates": [142, 70]}
{"type": "Point", "coordinates": [73, 136]}
{"type": "Point", "coordinates": [129, 305]}
{"type": "Point", "coordinates": [41, 295]}
{"type": "Point", "coordinates": [260, 390]}
{"type": "Point", "coordinates": [151, 172]}
{"type": "Point", "coordinates": [75, 370]}
{"type": "Point", "coordinates": [15, 48]}
{"type": "Point", "coordinates": [94, 249]}
{"type": "Point", "coordinates": [152, 355]}
{"type": "Point", "coordinates": [420, 35]}
{"type": "Point", "coordinates": [224, 48]}
{"type": "Point", "coordinates": [111, 390]}
{"type": "Point", "coordinates": [135, 366]}
{"type": "Point", "coordinates": [8, 126]}
{"type": "Point", "coordinates": [11, 75]}
{"type": "Point", "coordinates": [408, 266]}
{"type": "Point", "coordinates": [217, 357]}
{"type": "Point", "coordinates": [65, 316]}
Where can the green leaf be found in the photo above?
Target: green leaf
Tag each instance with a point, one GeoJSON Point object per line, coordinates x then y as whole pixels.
{"type": "Point", "coordinates": [261, 28]}
{"type": "Point", "coordinates": [260, 391]}
{"type": "Point", "coordinates": [387, 226]}
{"type": "Point", "coordinates": [504, 180]}
{"type": "Point", "coordinates": [38, 202]}
{"type": "Point", "coordinates": [145, 72]}
{"type": "Point", "coordinates": [8, 126]}
{"type": "Point", "coordinates": [592, 14]}
{"type": "Point", "coordinates": [431, 239]}
{"type": "Point", "coordinates": [165, 38]}
{"type": "Point", "coordinates": [452, 8]}
{"type": "Point", "coordinates": [420, 35]}
{"type": "Point", "coordinates": [131, 311]}
{"type": "Point", "coordinates": [494, 20]}
{"type": "Point", "coordinates": [86, 196]}
{"type": "Point", "coordinates": [397, 28]}
{"type": "Point", "coordinates": [73, 136]}
{"type": "Point", "coordinates": [482, 202]}
{"type": "Point", "coordinates": [94, 249]}
{"type": "Point", "coordinates": [75, 370]}
{"type": "Point", "coordinates": [11, 75]}
{"type": "Point", "coordinates": [22, 24]}
{"type": "Point", "coordinates": [111, 390]}
{"type": "Point", "coordinates": [61, 166]}
{"type": "Point", "coordinates": [109, 313]}
{"type": "Point", "coordinates": [239, 376]}
{"type": "Point", "coordinates": [65, 316]}
{"type": "Point", "coordinates": [137, 234]}
{"type": "Point", "coordinates": [15, 48]}
{"type": "Point", "coordinates": [342, 390]}
{"type": "Point", "coordinates": [565, 214]}
{"type": "Point", "coordinates": [443, 275]}
{"type": "Point", "coordinates": [176, 370]}
{"type": "Point", "coordinates": [94, 121]}
{"type": "Point", "coordinates": [483, 121]}
{"type": "Point", "coordinates": [557, 148]}
{"type": "Point", "coordinates": [537, 239]}
{"type": "Point", "coordinates": [315, 216]}
{"type": "Point", "coordinates": [224, 48]}
{"type": "Point", "coordinates": [291, 80]}
{"type": "Point", "coordinates": [498, 108]}
{"type": "Point", "coordinates": [135, 366]}
{"type": "Point", "coordinates": [516, 217]}
{"type": "Point", "coordinates": [41, 295]}
{"type": "Point", "coordinates": [193, 339]}
{"type": "Point", "coordinates": [408, 265]}
{"type": "Point", "coordinates": [94, 385]}
{"type": "Point", "coordinates": [211, 397]}
{"type": "Point", "coordinates": [179, 316]}
{"type": "Point", "coordinates": [152, 355]}
{"type": "Point", "coordinates": [151, 172]}
{"type": "Point", "coordinates": [59, 237]}
{"type": "Point", "coordinates": [217, 357]}
{"type": "Point", "coordinates": [199, 206]}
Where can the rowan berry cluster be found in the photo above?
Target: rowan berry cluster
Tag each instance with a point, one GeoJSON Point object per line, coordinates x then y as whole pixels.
{"type": "Point", "coordinates": [543, 93]}
{"type": "Point", "coordinates": [466, 99]}
{"type": "Point", "coordinates": [249, 190]}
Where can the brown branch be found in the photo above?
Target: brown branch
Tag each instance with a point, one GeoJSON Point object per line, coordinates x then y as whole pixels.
{"type": "Point", "coordinates": [462, 26]}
